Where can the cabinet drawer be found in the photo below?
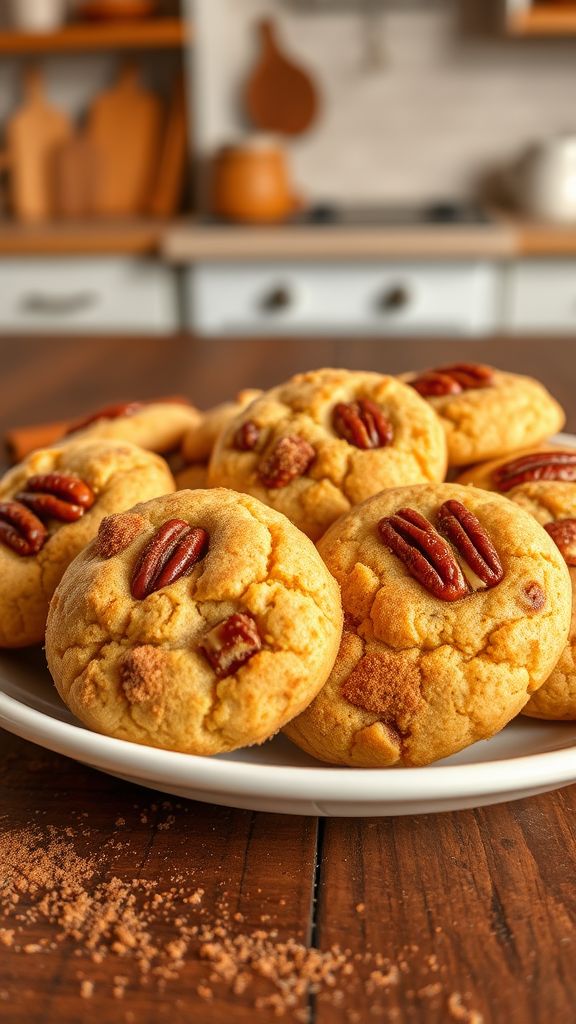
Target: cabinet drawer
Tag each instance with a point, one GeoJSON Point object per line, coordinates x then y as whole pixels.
{"type": "Point", "coordinates": [369, 298]}
{"type": "Point", "coordinates": [541, 295]}
{"type": "Point", "coordinates": [87, 295]}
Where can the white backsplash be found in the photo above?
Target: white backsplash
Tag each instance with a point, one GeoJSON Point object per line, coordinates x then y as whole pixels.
{"type": "Point", "coordinates": [445, 107]}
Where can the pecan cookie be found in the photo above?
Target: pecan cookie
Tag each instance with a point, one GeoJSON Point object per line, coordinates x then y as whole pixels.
{"type": "Point", "coordinates": [199, 622]}
{"type": "Point", "coordinates": [199, 441]}
{"type": "Point", "coordinates": [156, 426]}
{"type": "Point", "coordinates": [327, 440]}
{"type": "Point", "coordinates": [544, 483]}
{"type": "Point", "coordinates": [457, 607]}
{"type": "Point", "coordinates": [485, 412]}
{"type": "Point", "coordinates": [51, 506]}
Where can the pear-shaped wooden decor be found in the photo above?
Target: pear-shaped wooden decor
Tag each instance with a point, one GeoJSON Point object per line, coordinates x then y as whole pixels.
{"type": "Point", "coordinates": [280, 96]}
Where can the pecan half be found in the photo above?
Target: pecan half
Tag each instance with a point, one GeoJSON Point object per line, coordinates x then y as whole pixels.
{"type": "Point", "coordinates": [563, 533]}
{"type": "Point", "coordinates": [426, 555]}
{"type": "Point", "coordinates": [291, 457]}
{"type": "Point", "coordinates": [452, 380]}
{"type": "Point", "coordinates": [362, 424]}
{"type": "Point", "coordinates": [535, 466]}
{"type": "Point", "coordinates": [247, 436]}
{"type": "Point", "coordinates": [109, 412]}
{"type": "Point", "coordinates": [472, 542]}
{"type": "Point", "coordinates": [20, 529]}
{"type": "Point", "coordinates": [57, 496]}
{"type": "Point", "coordinates": [231, 643]}
{"type": "Point", "coordinates": [171, 553]}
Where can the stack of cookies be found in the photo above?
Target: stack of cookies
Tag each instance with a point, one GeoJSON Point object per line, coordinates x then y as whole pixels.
{"type": "Point", "coordinates": [295, 560]}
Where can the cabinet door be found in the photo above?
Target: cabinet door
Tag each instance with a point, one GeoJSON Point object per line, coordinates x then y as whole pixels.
{"type": "Point", "coordinates": [87, 295]}
{"type": "Point", "coordinates": [338, 298]}
{"type": "Point", "coordinates": [541, 295]}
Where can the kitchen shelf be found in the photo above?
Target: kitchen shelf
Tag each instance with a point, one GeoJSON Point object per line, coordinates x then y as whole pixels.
{"type": "Point", "coordinates": [543, 21]}
{"type": "Point", "coordinates": [153, 34]}
{"type": "Point", "coordinates": [105, 238]}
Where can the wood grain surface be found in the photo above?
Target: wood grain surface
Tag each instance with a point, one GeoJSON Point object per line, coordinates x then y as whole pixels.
{"type": "Point", "coordinates": [465, 917]}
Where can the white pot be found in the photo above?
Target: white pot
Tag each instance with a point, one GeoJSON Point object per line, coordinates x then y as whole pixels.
{"type": "Point", "coordinates": [37, 15]}
{"type": "Point", "coordinates": [545, 180]}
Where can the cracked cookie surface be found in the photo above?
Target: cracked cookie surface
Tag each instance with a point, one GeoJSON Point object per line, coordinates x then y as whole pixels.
{"type": "Point", "coordinates": [138, 669]}
{"type": "Point", "coordinates": [549, 501]}
{"type": "Point", "coordinates": [418, 678]}
{"type": "Point", "coordinates": [119, 474]}
{"type": "Point", "coordinates": [333, 473]}
{"type": "Point", "coordinates": [480, 423]}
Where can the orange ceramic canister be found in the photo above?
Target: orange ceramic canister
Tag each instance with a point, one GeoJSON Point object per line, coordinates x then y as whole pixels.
{"type": "Point", "coordinates": [251, 182]}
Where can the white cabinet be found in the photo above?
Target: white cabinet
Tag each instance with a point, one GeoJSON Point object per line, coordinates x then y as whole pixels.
{"type": "Point", "coordinates": [367, 298]}
{"type": "Point", "coordinates": [87, 296]}
{"type": "Point", "coordinates": [540, 295]}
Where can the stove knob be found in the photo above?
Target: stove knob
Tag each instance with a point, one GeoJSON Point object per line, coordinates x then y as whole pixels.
{"type": "Point", "coordinates": [394, 299]}
{"type": "Point", "coordinates": [277, 300]}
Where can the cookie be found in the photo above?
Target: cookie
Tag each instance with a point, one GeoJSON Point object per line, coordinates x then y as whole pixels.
{"type": "Point", "coordinates": [457, 606]}
{"type": "Point", "coordinates": [199, 622]}
{"type": "Point", "coordinates": [327, 440]}
{"type": "Point", "coordinates": [51, 506]}
{"type": "Point", "coordinates": [544, 483]}
{"type": "Point", "coordinates": [156, 426]}
{"type": "Point", "coordinates": [487, 413]}
{"type": "Point", "coordinates": [199, 440]}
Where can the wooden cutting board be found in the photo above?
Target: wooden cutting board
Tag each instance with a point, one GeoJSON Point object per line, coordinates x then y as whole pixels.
{"type": "Point", "coordinates": [280, 96]}
{"type": "Point", "coordinates": [33, 136]}
{"type": "Point", "coordinates": [76, 177]}
{"type": "Point", "coordinates": [124, 129]}
{"type": "Point", "coordinates": [169, 178]}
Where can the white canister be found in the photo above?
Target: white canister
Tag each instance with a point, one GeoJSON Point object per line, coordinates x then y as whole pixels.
{"type": "Point", "coordinates": [37, 15]}
{"type": "Point", "coordinates": [545, 180]}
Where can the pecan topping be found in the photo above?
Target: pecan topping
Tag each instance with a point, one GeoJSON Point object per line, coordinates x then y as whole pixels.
{"type": "Point", "coordinates": [452, 380]}
{"type": "Point", "coordinates": [535, 466]}
{"type": "Point", "coordinates": [172, 553]}
{"type": "Point", "coordinates": [247, 436]}
{"type": "Point", "coordinates": [534, 596]}
{"type": "Point", "coordinates": [429, 558]}
{"type": "Point", "coordinates": [426, 555]}
{"type": "Point", "coordinates": [20, 529]}
{"type": "Point", "coordinates": [109, 412]}
{"type": "Point", "coordinates": [57, 496]}
{"type": "Point", "coordinates": [117, 532]}
{"type": "Point", "coordinates": [362, 424]}
{"type": "Point", "coordinates": [471, 540]}
{"type": "Point", "coordinates": [291, 457]}
{"type": "Point", "coordinates": [563, 533]}
{"type": "Point", "coordinates": [231, 643]}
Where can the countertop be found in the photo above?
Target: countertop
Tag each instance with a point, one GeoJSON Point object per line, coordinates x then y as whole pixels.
{"type": "Point", "coordinates": [467, 916]}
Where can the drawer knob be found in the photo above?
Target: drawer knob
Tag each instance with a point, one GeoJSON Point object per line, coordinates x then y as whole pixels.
{"type": "Point", "coordinates": [277, 300]}
{"type": "Point", "coordinates": [393, 299]}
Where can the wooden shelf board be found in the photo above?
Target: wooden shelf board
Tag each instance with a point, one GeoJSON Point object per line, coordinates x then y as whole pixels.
{"type": "Point", "coordinates": [158, 33]}
{"type": "Point", "coordinates": [130, 237]}
{"type": "Point", "coordinates": [543, 21]}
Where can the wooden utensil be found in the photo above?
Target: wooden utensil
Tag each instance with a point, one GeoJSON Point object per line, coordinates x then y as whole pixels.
{"type": "Point", "coordinates": [76, 176]}
{"type": "Point", "coordinates": [33, 135]}
{"type": "Point", "coordinates": [167, 187]}
{"type": "Point", "coordinates": [124, 128]}
{"type": "Point", "coordinates": [280, 96]}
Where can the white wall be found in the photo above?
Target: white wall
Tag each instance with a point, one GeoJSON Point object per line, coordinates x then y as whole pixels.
{"type": "Point", "coordinates": [444, 108]}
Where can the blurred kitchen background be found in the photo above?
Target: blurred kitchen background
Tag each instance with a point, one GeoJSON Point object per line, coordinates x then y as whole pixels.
{"type": "Point", "coordinates": [288, 167]}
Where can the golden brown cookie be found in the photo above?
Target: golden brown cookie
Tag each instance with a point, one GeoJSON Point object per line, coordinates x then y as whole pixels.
{"type": "Point", "coordinates": [156, 426]}
{"type": "Point", "coordinates": [325, 441]}
{"type": "Point", "coordinates": [457, 607]}
{"type": "Point", "coordinates": [198, 622]}
{"type": "Point", "coordinates": [485, 412]}
{"type": "Point", "coordinates": [51, 506]}
{"type": "Point", "coordinates": [544, 483]}
{"type": "Point", "coordinates": [199, 441]}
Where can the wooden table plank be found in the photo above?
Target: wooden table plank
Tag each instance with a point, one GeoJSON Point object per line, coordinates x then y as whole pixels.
{"type": "Point", "coordinates": [259, 867]}
{"type": "Point", "coordinates": [475, 910]}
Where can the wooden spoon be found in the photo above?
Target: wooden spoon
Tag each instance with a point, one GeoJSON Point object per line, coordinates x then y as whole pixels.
{"type": "Point", "coordinates": [280, 96]}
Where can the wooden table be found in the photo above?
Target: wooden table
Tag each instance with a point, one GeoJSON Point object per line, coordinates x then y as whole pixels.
{"type": "Point", "coordinates": [475, 911]}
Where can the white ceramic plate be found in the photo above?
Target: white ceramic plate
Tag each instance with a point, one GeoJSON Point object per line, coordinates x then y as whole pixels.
{"type": "Point", "coordinates": [526, 758]}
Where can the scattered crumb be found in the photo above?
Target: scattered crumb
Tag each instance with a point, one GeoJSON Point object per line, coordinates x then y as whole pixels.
{"type": "Point", "coordinates": [86, 989]}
